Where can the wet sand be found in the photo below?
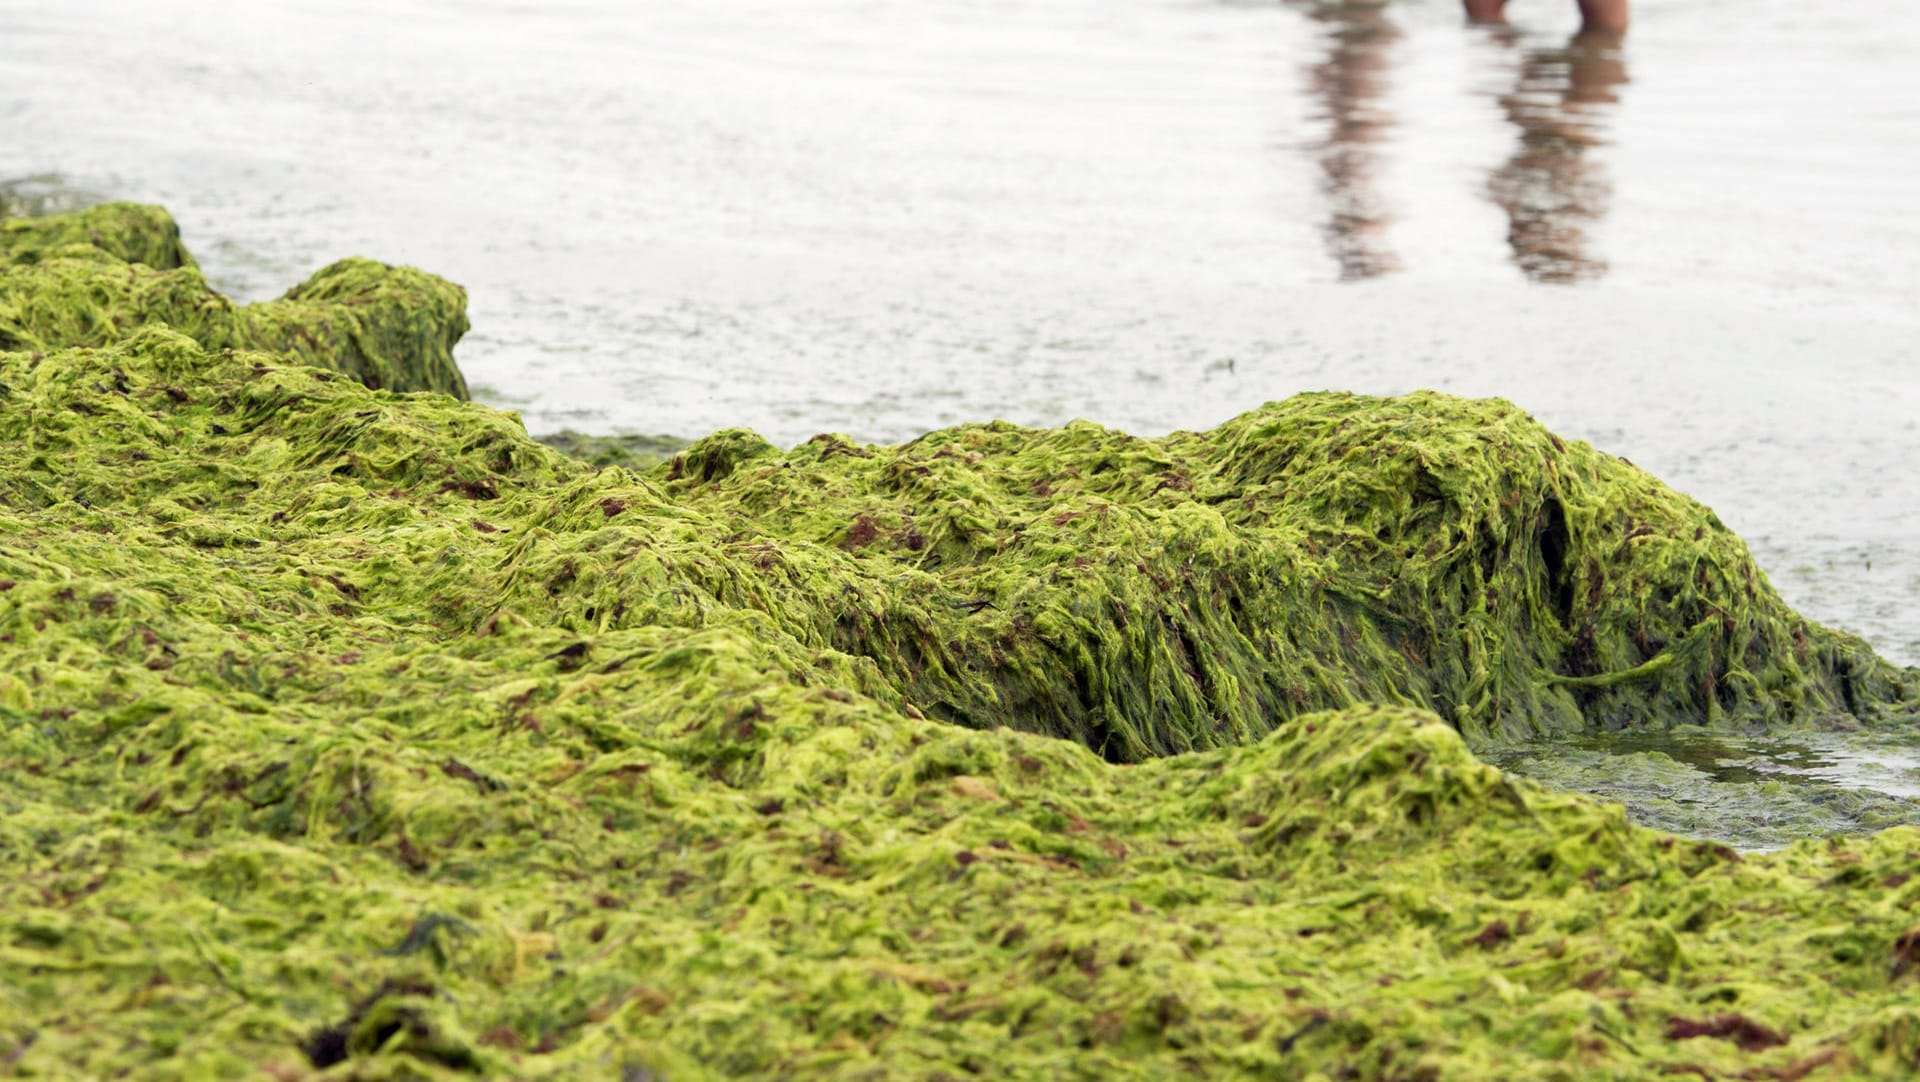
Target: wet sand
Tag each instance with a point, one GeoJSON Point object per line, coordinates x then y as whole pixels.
{"type": "Point", "coordinates": [1695, 249]}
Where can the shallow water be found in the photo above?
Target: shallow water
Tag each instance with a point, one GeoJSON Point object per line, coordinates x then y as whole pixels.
{"type": "Point", "coordinates": [1696, 248]}
{"type": "Point", "coordinates": [1753, 792]}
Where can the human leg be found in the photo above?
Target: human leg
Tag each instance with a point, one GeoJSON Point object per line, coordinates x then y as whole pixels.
{"type": "Point", "coordinates": [1609, 15]}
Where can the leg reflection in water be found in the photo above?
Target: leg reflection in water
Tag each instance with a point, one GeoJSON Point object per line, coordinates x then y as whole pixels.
{"type": "Point", "coordinates": [1552, 188]}
{"type": "Point", "coordinates": [1349, 85]}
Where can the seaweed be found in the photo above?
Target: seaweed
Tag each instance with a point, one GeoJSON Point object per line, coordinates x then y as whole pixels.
{"type": "Point", "coordinates": [355, 732]}
{"type": "Point", "coordinates": [128, 232]}
{"type": "Point", "coordinates": [92, 277]}
{"type": "Point", "coordinates": [1151, 596]}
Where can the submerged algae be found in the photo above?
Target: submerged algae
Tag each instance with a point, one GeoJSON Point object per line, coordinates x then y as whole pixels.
{"type": "Point", "coordinates": [91, 277]}
{"type": "Point", "coordinates": [359, 733]}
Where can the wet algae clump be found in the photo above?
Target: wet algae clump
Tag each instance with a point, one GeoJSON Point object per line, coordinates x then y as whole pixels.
{"type": "Point", "coordinates": [352, 734]}
{"type": "Point", "coordinates": [91, 277]}
{"type": "Point", "coordinates": [1152, 596]}
{"type": "Point", "coordinates": [127, 232]}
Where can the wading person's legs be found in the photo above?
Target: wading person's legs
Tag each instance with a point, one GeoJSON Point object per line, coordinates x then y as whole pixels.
{"type": "Point", "coordinates": [1604, 14]}
{"type": "Point", "coordinates": [1594, 14]}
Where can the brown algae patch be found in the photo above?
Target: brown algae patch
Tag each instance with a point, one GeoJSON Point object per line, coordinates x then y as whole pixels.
{"type": "Point", "coordinates": [355, 734]}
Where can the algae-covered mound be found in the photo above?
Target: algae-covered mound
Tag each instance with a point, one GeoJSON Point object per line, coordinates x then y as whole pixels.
{"type": "Point", "coordinates": [91, 277]}
{"type": "Point", "coordinates": [1151, 596]}
{"type": "Point", "coordinates": [353, 735]}
{"type": "Point", "coordinates": [128, 232]}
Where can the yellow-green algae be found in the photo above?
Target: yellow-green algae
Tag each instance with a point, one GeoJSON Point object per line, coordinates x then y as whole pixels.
{"type": "Point", "coordinates": [1152, 596]}
{"type": "Point", "coordinates": [128, 232]}
{"type": "Point", "coordinates": [90, 277]}
{"type": "Point", "coordinates": [347, 734]}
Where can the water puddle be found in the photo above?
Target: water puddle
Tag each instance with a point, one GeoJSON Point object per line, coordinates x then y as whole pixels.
{"type": "Point", "coordinates": [1752, 792]}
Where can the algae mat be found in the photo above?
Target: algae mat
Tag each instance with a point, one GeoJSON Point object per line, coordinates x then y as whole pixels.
{"type": "Point", "coordinates": [350, 734]}
{"type": "Point", "coordinates": [90, 277]}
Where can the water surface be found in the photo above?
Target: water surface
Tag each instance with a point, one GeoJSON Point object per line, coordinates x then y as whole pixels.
{"type": "Point", "coordinates": [1753, 792]}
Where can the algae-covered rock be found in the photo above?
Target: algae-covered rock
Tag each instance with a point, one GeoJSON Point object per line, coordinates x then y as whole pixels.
{"type": "Point", "coordinates": [387, 327]}
{"type": "Point", "coordinates": [1151, 596]}
{"type": "Point", "coordinates": [355, 733]}
{"type": "Point", "coordinates": [128, 232]}
{"type": "Point", "coordinates": [92, 277]}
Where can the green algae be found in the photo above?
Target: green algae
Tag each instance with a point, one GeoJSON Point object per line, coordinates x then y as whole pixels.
{"type": "Point", "coordinates": [353, 735]}
{"type": "Point", "coordinates": [127, 232]}
{"type": "Point", "coordinates": [1147, 597]}
{"type": "Point", "coordinates": [94, 276]}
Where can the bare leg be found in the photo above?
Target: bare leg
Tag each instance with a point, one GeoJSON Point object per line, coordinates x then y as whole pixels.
{"type": "Point", "coordinates": [1608, 15]}
{"type": "Point", "coordinates": [1488, 11]}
